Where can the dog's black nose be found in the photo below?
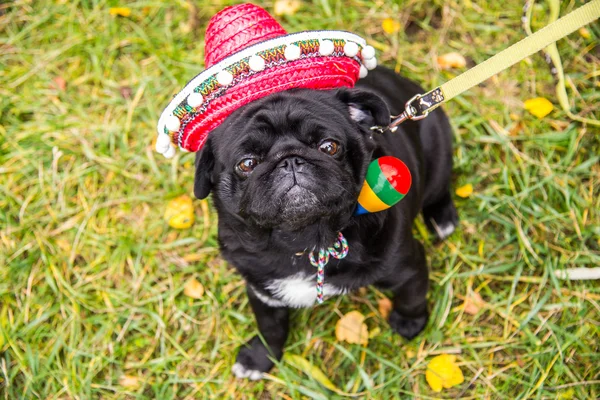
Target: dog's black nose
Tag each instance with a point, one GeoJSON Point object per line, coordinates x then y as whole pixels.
{"type": "Point", "coordinates": [292, 164]}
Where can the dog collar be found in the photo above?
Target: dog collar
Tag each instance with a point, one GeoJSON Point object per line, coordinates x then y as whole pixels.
{"type": "Point", "coordinates": [248, 56]}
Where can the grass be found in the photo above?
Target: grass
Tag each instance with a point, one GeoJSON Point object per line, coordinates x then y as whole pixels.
{"type": "Point", "coordinates": [91, 276]}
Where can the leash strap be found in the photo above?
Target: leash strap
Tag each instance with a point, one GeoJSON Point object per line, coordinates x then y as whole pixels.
{"type": "Point", "coordinates": [419, 106]}
{"type": "Point", "coordinates": [339, 250]}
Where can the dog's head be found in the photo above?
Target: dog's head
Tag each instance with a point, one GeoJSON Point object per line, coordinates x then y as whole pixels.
{"type": "Point", "coordinates": [292, 159]}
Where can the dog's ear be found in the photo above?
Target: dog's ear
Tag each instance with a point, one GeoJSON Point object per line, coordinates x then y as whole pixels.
{"type": "Point", "coordinates": [364, 107]}
{"type": "Point", "coordinates": [205, 164]}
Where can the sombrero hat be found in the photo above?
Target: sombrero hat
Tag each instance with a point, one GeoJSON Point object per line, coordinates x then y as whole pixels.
{"type": "Point", "coordinates": [248, 55]}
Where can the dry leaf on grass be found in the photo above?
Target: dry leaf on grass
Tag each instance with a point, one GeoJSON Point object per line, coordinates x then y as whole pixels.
{"type": "Point", "coordinates": [384, 306]}
{"type": "Point", "coordinates": [390, 25]}
{"type": "Point", "coordinates": [60, 83]}
{"type": "Point", "coordinates": [352, 329]}
{"type": "Point", "coordinates": [286, 7]}
{"type": "Point", "coordinates": [473, 303]}
{"type": "Point", "coordinates": [305, 366]}
{"type": "Point", "coordinates": [120, 11]}
{"type": "Point", "coordinates": [193, 289]}
{"type": "Point", "coordinates": [539, 106]}
{"type": "Point", "coordinates": [516, 129]}
{"type": "Point", "coordinates": [584, 33]}
{"type": "Point", "coordinates": [442, 372]}
{"type": "Point", "coordinates": [129, 381]}
{"type": "Point", "coordinates": [65, 245]}
{"type": "Point", "coordinates": [559, 125]}
{"type": "Point", "coordinates": [193, 257]}
{"type": "Point", "coordinates": [125, 92]}
{"type": "Point", "coordinates": [180, 212]}
{"type": "Point", "coordinates": [465, 191]}
{"type": "Point", "coordinates": [374, 332]}
{"type": "Point", "coordinates": [451, 60]}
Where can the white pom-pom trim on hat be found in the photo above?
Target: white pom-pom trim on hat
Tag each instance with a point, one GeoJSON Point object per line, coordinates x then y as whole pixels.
{"type": "Point", "coordinates": [224, 78]}
{"type": "Point", "coordinates": [163, 141]}
{"type": "Point", "coordinates": [351, 49]}
{"type": "Point", "coordinates": [195, 99]}
{"type": "Point", "coordinates": [257, 63]}
{"type": "Point", "coordinates": [367, 52]}
{"type": "Point", "coordinates": [326, 47]}
{"type": "Point", "coordinates": [172, 123]}
{"type": "Point", "coordinates": [363, 72]}
{"type": "Point", "coordinates": [170, 153]}
{"type": "Point", "coordinates": [371, 63]}
{"type": "Point", "coordinates": [292, 52]}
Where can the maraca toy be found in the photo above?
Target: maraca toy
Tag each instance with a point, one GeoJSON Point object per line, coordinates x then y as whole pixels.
{"type": "Point", "coordinates": [387, 182]}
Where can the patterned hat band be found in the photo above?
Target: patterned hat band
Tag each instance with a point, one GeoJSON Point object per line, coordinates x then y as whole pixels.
{"type": "Point", "coordinates": [312, 59]}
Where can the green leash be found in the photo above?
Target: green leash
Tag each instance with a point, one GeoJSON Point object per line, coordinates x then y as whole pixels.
{"type": "Point", "coordinates": [422, 104]}
{"type": "Point", "coordinates": [553, 59]}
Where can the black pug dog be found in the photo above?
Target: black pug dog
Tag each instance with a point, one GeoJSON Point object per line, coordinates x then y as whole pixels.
{"type": "Point", "coordinates": [285, 172]}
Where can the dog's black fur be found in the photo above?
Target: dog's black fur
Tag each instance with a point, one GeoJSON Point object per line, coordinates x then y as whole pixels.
{"type": "Point", "coordinates": [299, 197]}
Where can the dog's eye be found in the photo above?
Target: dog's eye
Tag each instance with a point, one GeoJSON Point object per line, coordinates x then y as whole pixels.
{"type": "Point", "coordinates": [329, 147]}
{"type": "Point", "coordinates": [247, 165]}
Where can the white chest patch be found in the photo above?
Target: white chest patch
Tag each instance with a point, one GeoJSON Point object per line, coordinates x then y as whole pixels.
{"type": "Point", "coordinates": [298, 290]}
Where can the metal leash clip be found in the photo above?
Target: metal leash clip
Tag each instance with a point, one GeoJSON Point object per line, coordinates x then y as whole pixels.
{"type": "Point", "coordinates": [410, 112]}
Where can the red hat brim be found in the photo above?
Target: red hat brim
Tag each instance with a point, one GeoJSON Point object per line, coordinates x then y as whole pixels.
{"type": "Point", "coordinates": [323, 73]}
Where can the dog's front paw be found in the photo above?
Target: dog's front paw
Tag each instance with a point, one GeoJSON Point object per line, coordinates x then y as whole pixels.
{"type": "Point", "coordinates": [242, 372]}
{"type": "Point", "coordinates": [408, 327]}
{"type": "Point", "coordinates": [252, 360]}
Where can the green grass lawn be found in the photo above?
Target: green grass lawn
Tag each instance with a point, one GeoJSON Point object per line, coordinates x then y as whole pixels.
{"type": "Point", "coordinates": [92, 277]}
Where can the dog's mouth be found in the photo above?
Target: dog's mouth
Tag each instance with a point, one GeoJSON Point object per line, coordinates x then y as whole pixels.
{"type": "Point", "coordinates": [300, 205]}
{"type": "Point", "coordinates": [294, 208]}
{"type": "Point", "coordinates": [294, 200]}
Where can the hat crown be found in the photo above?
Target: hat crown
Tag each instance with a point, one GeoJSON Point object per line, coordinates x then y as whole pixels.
{"type": "Point", "coordinates": [235, 28]}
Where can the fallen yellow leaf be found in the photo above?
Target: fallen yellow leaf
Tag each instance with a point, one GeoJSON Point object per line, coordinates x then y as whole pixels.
{"type": "Point", "coordinates": [442, 372]}
{"type": "Point", "coordinates": [194, 257]}
{"type": "Point", "coordinates": [390, 25]}
{"type": "Point", "coordinates": [385, 306]}
{"type": "Point", "coordinates": [180, 212]}
{"type": "Point", "coordinates": [120, 11]}
{"type": "Point", "coordinates": [374, 332]}
{"type": "Point", "coordinates": [515, 130]}
{"type": "Point", "coordinates": [193, 289]}
{"type": "Point", "coordinates": [465, 191]}
{"type": "Point", "coordinates": [539, 106]}
{"type": "Point", "coordinates": [567, 395]}
{"type": "Point", "coordinates": [473, 303]}
{"type": "Point", "coordinates": [305, 366]}
{"type": "Point", "coordinates": [451, 60]}
{"type": "Point", "coordinates": [286, 7]}
{"type": "Point", "coordinates": [64, 245]}
{"type": "Point", "coordinates": [352, 329]}
{"type": "Point", "coordinates": [129, 381]}
{"type": "Point", "coordinates": [584, 33]}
